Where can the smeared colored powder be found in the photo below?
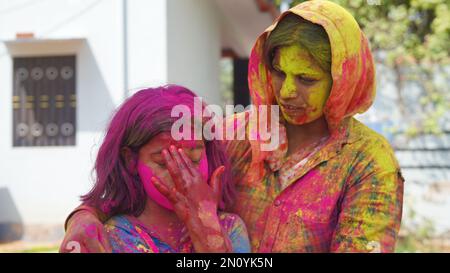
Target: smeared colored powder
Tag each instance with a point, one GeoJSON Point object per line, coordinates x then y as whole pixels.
{"type": "Point", "coordinates": [304, 85]}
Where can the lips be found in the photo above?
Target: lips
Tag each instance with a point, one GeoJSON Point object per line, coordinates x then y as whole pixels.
{"type": "Point", "coordinates": [292, 109]}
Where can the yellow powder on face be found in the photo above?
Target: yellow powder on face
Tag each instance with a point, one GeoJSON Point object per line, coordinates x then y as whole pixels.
{"type": "Point", "coordinates": [298, 68]}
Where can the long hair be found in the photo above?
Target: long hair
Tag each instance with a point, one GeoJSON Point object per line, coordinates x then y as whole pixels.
{"type": "Point", "coordinates": [118, 188]}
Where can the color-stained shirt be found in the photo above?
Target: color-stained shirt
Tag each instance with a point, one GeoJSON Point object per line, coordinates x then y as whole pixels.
{"type": "Point", "coordinates": [128, 235]}
{"type": "Point", "coordinates": [342, 194]}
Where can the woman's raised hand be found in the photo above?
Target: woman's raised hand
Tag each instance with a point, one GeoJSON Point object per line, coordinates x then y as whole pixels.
{"type": "Point", "coordinates": [190, 191]}
{"type": "Point", "coordinates": [194, 201]}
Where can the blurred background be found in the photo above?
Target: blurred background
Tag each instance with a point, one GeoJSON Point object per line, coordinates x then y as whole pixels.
{"type": "Point", "coordinates": [67, 64]}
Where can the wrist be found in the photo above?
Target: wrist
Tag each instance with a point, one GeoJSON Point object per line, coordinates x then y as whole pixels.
{"type": "Point", "coordinates": [211, 241]}
{"type": "Point", "coordinates": [203, 219]}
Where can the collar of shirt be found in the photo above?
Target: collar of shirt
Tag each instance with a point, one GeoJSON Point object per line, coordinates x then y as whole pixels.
{"type": "Point", "coordinates": [333, 146]}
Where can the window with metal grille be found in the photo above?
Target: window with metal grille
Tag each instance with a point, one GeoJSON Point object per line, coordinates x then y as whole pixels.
{"type": "Point", "coordinates": [44, 101]}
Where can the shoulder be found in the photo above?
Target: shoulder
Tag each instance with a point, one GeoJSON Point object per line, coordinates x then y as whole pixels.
{"type": "Point", "coordinates": [125, 237]}
{"type": "Point", "coordinates": [120, 227]}
{"type": "Point", "coordinates": [118, 222]}
{"type": "Point", "coordinates": [360, 132]}
{"type": "Point", "coordinates": [370, 146]}
{"type": "Point", "coordinates": [369, 158]}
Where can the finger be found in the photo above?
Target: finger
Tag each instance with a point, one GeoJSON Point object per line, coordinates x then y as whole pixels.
{"type": "Point", "coordinates": [216, 180]}
{"type": "Point", "coordinates": [180, 162]}
{"type": "Point", "coordinates": [185, 235]}
{"type": "Point", "coordinates": [173, 169]}
{"type": "Point", "coordinates": [192, 168]}
{"type": "Point", "coordinates": [186, 176]}
{"type": "Point", "coordinates": [179, 197]}
{"type": "Point", "coordinates": [163, 189]}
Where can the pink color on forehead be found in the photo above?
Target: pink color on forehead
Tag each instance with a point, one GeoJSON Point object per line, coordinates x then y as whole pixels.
{"type": "Point", "coordinates": [166, 140]}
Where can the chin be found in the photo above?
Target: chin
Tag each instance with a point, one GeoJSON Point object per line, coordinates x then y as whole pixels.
{"type": "Point", "coordinates": [301, 119]}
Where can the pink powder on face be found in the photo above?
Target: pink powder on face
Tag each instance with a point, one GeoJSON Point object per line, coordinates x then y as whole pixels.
{"type": "Point", "coordinates": [146, 174]}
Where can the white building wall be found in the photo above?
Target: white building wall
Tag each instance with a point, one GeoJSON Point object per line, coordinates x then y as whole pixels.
{"type": "Point", "coordinates": [46, 182]}
{"type": "Point", "coordinates": [147, 43]}
{"type": "Point", "coordinates": [194, 47]}
{"type": "Point", "coordinates": [168, 41]}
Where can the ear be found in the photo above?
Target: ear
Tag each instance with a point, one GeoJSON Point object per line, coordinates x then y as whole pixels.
{"type": "Point", "coordinates": [129, 159]}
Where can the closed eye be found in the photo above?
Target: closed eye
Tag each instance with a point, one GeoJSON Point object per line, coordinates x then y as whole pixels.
{"type": "Point", "coordinates": [161, 164]}
{"type": "Point", "coordinates": [307, 80]}
{"type": "Point", "coordinates": [158, 160]}
{"type": "Point", "coordinates": [278, 72]}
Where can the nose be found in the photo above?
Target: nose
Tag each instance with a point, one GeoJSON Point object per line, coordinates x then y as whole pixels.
{"type": "Point", "coordinates": [288, 89]}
